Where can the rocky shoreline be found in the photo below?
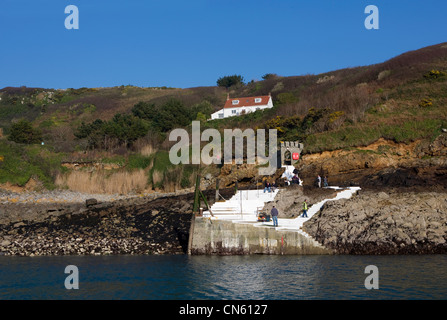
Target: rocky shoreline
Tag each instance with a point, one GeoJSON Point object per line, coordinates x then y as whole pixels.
{"type": "Point", "coordinates": [153, 224]}
{"type": "Point", "coordinates": [384, 221]}
{"type": "Point", "coordinates": [404, 220]}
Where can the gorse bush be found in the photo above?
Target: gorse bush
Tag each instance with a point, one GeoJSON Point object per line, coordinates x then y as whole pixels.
{"type": "Point", "coordinates": [435, 74]}
{"type": "Point", "coordinates": [426, 102]}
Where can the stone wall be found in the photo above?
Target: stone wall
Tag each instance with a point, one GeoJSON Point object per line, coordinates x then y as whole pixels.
{"type": "Point", "coordinates": [220, 237]}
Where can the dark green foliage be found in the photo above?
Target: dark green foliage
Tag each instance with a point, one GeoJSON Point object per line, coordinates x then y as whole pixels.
{"type": "Point", "coordinates": [121, 130]}
{"type": "Point", "coordinates": [286, 98]}
{"type": "Point", "coordinates": [23, 132]}
{"type": "Point", "coordinates": [268, 76]}
{"type": "Point", "coordinates": [144, 110]}
{"type": "Point", "coordinates": [22, 162]}
{"type": "Point", "coordinates": [124, 129]}
{"type": "Point", "coordinates": [170, 115]}
{"type": "Point", "coordinates": [204, 108]}
{"type": "Point", "coordinates": [229, 81]}
{"type": "Point", "coordinates": [138, 161]}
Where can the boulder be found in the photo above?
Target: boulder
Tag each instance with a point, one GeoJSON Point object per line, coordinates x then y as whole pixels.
{"type": "Point", "coordinates": [91, 202]}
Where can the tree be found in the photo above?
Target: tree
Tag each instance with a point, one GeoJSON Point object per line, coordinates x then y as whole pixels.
{"type": "Point", "coordinates": [23, 132]}
{"type": "Point", "coordinates": [144, 110]}
{"type": "Point", "coordinates": [123, 129]}
{"type": "Point", "coordinates": [229, 81]}
{"type": "Point", "coordinates": [268, 76]}
{"type": "Point", "coordinates": [204, 108]}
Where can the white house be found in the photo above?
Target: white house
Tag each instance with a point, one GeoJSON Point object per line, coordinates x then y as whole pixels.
{"type": "Point", "coordinates": [240, 106]}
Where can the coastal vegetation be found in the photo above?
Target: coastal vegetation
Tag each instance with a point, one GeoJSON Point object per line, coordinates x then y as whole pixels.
{"type": "Point", "coordinates": [125, 129]}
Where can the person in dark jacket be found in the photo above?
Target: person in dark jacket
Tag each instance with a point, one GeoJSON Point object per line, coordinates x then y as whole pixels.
{"type": "Point", "coordinates": [267, 187]}
{"type": "Point", "coordinates": [325, 183]}
{"type": "Point", "coordinates": [274, 214]}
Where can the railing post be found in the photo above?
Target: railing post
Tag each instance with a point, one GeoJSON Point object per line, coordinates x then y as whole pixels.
{"type": "Point", "coordinates": [196, 205]}
{"type": "Point", "coordinates": [217, 190]}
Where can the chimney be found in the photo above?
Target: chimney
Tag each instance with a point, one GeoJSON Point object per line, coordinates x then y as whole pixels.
{"type": "Point", "coordinates": [228, 96]}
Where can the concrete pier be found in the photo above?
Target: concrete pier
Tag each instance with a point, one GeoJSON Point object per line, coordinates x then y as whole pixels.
{"type": "Point", "coordinates": [234, 229]}
{"type": "Point", "coordinates": [224, 237]}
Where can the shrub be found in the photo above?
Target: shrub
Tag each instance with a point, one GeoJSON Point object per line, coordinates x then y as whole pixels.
{"type": "Point", "coordinates": [228, 81]}
{"type": "Point", "coordinates": [435, 74]}
{"type": "Point", "coordinates": [138, 161]}
{"type": "Point", "coordinates": [426, 102]}
{"type": "Point", "coordinates": [23, 132]}
{"type": "Point", "coordinates": [268, 76]}
{"type": "Point", "coordinates": [286, 98]}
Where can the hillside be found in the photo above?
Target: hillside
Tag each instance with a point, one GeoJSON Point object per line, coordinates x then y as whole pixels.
{"type": "Point", "coordinates": [402, 101]}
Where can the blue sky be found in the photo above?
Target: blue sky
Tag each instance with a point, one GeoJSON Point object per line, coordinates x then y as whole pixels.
{"type": "Point", "coordinates": [193, 43]}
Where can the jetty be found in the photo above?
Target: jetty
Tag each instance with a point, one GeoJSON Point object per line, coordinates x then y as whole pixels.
{"type": "Point", "coordinates": [232, 227]}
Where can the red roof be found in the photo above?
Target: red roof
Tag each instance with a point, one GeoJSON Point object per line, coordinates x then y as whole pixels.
{"type": "Point", "coordinates": [246, 102]}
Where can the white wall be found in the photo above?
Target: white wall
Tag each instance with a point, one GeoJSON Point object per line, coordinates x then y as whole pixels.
{"type": "Point", "coordinates": [228, 112]}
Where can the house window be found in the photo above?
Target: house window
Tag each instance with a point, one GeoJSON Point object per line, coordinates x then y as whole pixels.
{"type": "Point", "coordinates": [258, 100]}
{"type": "Point", "coordinates": [235, 102]}
{"type": "Point", "coordinates": [233, 111]}
{"type": "Point", "coordinates": [221, 115]}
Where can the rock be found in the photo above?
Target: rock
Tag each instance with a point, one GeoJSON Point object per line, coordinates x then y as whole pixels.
{"type": "Point", "coordinates": [124, 227]}
{"type": "Point", "coordinates": [18, 224]}
{"type": "Point", "coordinates": [395, 222]}
{"type": "Point", "coordinates": [91, 202]}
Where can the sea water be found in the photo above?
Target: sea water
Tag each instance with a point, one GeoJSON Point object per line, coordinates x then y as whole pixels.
{"type": "Point", "coordinates": [254, 277]}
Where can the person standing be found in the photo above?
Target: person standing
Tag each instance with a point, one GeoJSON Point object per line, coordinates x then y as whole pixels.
{"type": "Point", "coordinates": [319, 181]}
{"type": "Point", "coordinates": [325, 183]}
{"type": "Point", "coordinates": [274, 213]}
{"type": "Point", "coordinates": [304, 209]}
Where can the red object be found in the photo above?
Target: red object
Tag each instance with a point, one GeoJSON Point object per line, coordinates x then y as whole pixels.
{"type": "Point", "coordinates": [246, 102]}
{"type": "Point", "coordinates": [295, 156]}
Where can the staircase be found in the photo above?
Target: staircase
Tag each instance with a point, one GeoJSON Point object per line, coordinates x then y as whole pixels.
{"type": "Point", "coordinates": [244, 205]}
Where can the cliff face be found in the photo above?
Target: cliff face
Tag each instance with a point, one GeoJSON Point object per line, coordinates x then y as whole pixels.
{"type": "Point", "coordinates": [388, 221]}
{"type": "Point", "coordinates": [402, 207]}
{"type": "Point", "coordinates": [383, 163]}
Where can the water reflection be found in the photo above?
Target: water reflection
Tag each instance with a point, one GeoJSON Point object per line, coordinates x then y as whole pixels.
{"type": "Point", "coordinates": [232, 277]}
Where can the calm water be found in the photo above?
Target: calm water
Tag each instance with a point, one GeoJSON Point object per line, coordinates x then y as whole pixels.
{"type": "Point", "coordinates": [234, 277]}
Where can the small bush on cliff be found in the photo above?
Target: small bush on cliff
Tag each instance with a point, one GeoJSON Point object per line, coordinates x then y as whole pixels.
{"type": "Point", "coordinates": [435, 75]}
{"type": "Point", "coordinates": [229, 81]}
{"type": "Point", "coordinates": [23, 132]}
{"type": "Point", "coordinates": [426, 102]}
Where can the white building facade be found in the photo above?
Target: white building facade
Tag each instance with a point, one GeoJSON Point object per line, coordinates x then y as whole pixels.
{"type": "Point", "coordinates": [241, 106]}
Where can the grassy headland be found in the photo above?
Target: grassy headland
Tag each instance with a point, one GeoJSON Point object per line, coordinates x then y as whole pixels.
{"type": "Point", "coordinates": [125, 128]}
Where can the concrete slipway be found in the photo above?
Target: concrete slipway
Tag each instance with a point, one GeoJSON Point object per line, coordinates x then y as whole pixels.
{"type": "Point", "coordinates": [232, 228]}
